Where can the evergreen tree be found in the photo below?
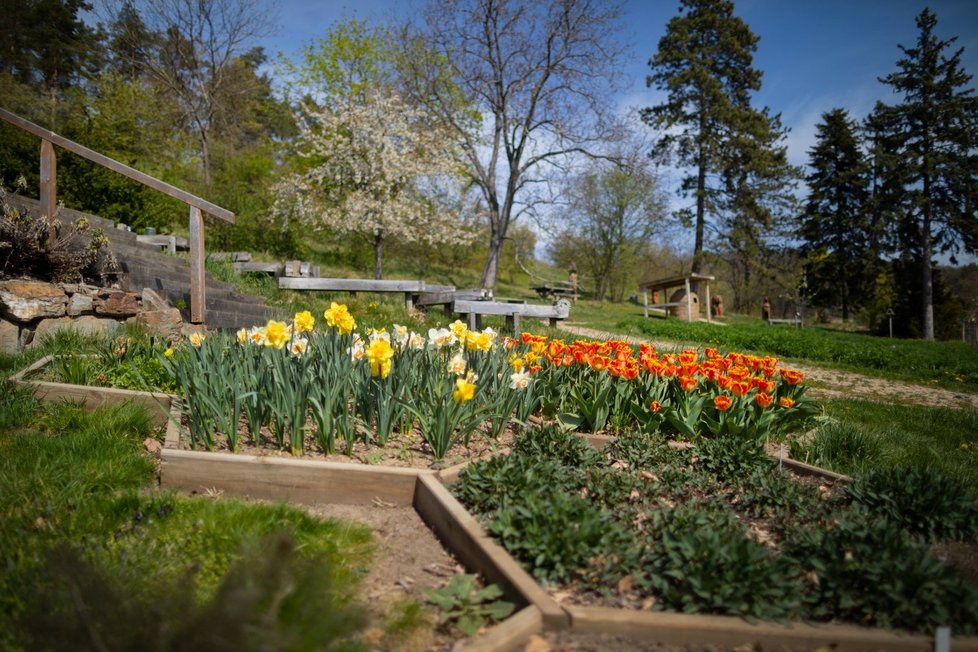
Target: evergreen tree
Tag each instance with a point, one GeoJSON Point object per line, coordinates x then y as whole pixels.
{"type": "Point", "coordinates": [933, 133]}
{"type": "Point", "coordinates": [704, 63]}
{"type": "Point", "coordinates": [836, 225]}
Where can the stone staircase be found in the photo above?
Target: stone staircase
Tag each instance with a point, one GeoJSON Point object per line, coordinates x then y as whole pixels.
{"type": "Point", "coordinates": [146, 266]}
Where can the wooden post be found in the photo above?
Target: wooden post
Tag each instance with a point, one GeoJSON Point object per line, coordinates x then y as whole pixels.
{"type": "Point", "coordinates": [709, 306]}
{"type": "Point", "coordinates": [689, 302]}
{"type": "Point", "coordinates": [197, 290]}
{"type": "Point", "coordinates": [49, 187]}
{"type": "Point", "coordinates": [645, 301]}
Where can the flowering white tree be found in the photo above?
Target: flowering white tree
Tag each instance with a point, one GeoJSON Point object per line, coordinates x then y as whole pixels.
{"type": "Point", "coordinates": [375, 167]}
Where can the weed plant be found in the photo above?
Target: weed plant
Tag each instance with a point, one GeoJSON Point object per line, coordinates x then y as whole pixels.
{"type": "Point", "coordinates": [718, 529]}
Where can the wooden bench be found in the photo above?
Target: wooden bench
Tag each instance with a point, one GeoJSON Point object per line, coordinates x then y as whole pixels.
{"type": "Point", "coordinates": [556, 291]}
{"type": "Point", "coordinates": [410, 289]}
{"type": "Point", "coordinates": [796, 321]}
{"type": "Point", "coordinates": [171, 243]}
{"type": "Point", "coordinates": [662, 306]}
{"type": "Point", "coordinates": [513, 312]}
{"type": "Point", "coordinates": [447, 298]}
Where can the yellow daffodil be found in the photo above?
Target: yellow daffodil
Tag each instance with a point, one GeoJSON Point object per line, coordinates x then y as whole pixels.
{"type": "Point", "coordinates": [168, 352]}
{"type": "Point", "coordinates": [459, 329]}
{"type": "Point", "coordinates": [277, 334]}
{"type": "Point", "coordinates": [400, 335]}
{"type": "Point", "coordinates": [516, 362]}
{"type": "Point", "coordinates": [243, 336]}
{"type": "Point", "coordinates": [197, 339]}
{"type": "Point", "coordinates": [379, 353]}
{"type": "Point", "coordinates": [464, 391]}
{"type": "Point", "coordinates": [304, 321]}
{"type": "Point", "coordinates": [338, 316]}
{"type": "Point", "coordinates": [415, 341]}
{"type": "Point", "coordinates": [477, 341]}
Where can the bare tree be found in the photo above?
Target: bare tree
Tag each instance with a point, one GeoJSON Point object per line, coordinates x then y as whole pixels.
{"type": "Point", "coordinates": [526, 86]}
{"type": "Point", "coordinates": [200, 41]}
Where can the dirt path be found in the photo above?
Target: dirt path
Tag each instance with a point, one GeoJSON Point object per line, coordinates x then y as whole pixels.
{"type": "Point", "coordinates": [834, 383]}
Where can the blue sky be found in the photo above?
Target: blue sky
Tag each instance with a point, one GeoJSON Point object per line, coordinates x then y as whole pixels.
{"type": "Point", "coordinates": [815, 54]}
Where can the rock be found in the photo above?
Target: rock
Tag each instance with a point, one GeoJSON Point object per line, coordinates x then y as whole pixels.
{"type": "Point", "coordinates": [26, 301]}
{"type": "Point", "coordinates": [162, 323]}
{"type": "Point", "coordinates": [80, 304]}
{"type": "Point", "coordinates": [9, 337]}
{"type": "Point", "coordinates": [116, 304]}
{"type": "Point", "coordinates": [87, 325]}
{"type": "Point", "coordinates": [153, 301]}
{"type": "Point", "coordinates": [152, 446]}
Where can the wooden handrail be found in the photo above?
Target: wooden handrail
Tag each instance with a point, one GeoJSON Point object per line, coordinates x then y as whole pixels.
{"type": "Point", "coordinates": [116, 166]}
{"type": "Point", "coordinates": [197, 205]}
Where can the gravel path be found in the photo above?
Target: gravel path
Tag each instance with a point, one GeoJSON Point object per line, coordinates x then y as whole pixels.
{"type": "Point", "coordinates": [834, 383]}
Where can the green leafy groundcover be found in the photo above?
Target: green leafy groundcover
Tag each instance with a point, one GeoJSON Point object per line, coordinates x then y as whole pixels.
{"type": "Point", "coordinates": [717, 529]}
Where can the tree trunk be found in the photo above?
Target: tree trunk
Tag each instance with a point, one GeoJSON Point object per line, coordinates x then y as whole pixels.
{"type": "Point", "coordinates": [927, 276]}
{"type": "Point", "coordinates": [378, 255]}
{"type": "Point", "coordinates": [489, 272]}
{"type": "Point", "coordinates": [700, 201]}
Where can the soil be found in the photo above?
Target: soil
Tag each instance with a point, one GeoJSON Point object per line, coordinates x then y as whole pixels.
{"type": "Point", "coordinates": [405, 450]}
{"type": "Point", "coordinates": [408, 561]}
{"type": "Point", "coordinates": [833, 383]}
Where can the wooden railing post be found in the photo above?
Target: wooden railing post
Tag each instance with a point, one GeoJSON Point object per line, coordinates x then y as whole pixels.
{"type": "Point", "coordinates": [49, 187]}
{"type": "Point", "coordinates": [197, 283]}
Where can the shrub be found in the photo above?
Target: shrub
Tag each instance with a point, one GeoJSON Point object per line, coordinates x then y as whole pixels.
{"type": "Point", "coordinates": [841, 446]}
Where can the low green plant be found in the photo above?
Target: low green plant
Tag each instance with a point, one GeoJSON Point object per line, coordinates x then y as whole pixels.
{"type": "Point", "coordinates": [840, 446]}
{"type": "Point", "coordinates": [920, 501]}
{"type": "Point", "coordinates": [468, 607]}
{"type": "Point", "coordinates": [487, 485]}
{"type": "Point", "coordinates": [730, 459]}
{"type": "Point", "coordinates": [558, 534]}
{"type": "Point", "coordinates": [867, 570]}
{"type": "Point", "coordinates": [552, 443]}
{"type": "Point", "coordinates": [701, 561]}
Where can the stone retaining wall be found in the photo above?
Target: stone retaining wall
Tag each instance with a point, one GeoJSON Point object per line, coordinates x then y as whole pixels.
{"type": "Point", "coordinates": [31, 309]}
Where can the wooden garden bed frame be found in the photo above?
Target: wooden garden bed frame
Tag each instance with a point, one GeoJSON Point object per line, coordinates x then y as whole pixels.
{"type": "Point", "coordinates": [157, 404]}
{"type": "Point", "coordinates": [312, 481]}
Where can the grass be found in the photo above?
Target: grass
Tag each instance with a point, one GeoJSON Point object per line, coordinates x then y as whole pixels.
{"type": "Point", "coordinates": [92, 555]}
{"type": "Point", "coordinates": [854, 436]}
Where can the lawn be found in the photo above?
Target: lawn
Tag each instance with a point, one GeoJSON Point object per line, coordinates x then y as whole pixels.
{"type": "Point", "coordinates": [92, 554]}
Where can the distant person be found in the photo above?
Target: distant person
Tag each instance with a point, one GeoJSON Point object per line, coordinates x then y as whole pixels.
{"type": "Point", "coordinates": [716, 304]}
{"type": "Point", "coordinates": [766, 309]}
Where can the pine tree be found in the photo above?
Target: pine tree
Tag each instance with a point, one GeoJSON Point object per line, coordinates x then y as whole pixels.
{"type": "Point", "coordinates": [836, 225]}
{"type": "Point", "coordinates": [933, 132]}
{"type": "Point", "coordinates": [704, 63]}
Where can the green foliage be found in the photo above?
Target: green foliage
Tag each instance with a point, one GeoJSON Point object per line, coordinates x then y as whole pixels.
{"type": "Point", "coordinates": [731, 459]}
{"type": "Point", "coordinates": [552, 443]}
{"type": "Point", "coordinates": [920, 501]}
{"type": "Point", "coordinates": [557, 534]}
{"type": "Point", "coordinates": [953, 364]}
{"type": "Point", "coordinates": [270, 598]}
{"type": "Point", "coordinates": [869, 571]}
{"type": "Point", "coordinates": [488, 485]}
{"type": "Point", "coordinates": [641, 450]}
{"type": "Point", "coordinates": [844, 447]}
{"type": "Point", "coordinates": [461, 602]}
{"type": "Point", "coordinates": [892, 436]}
{"type": "Point", "coordinates": [18, 405]}
{"type": "Point", "coordinates": [702, 562]}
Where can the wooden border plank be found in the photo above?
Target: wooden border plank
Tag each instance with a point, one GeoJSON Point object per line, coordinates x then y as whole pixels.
{"type": "Point", "coordinates": [40, 364]}
{"type": "Point", "coordinates": [729, 631]}
{"type": "Point", "coordinates": [359, 285]}
{"type": "Point", "coordinates": [158, 405]}
{"type": "Point", "coordinates": [278, 478]}
{"type": "Point", "coordinates": [463, 535]}
{"type": "Point", "coordinates": [508, 635]}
